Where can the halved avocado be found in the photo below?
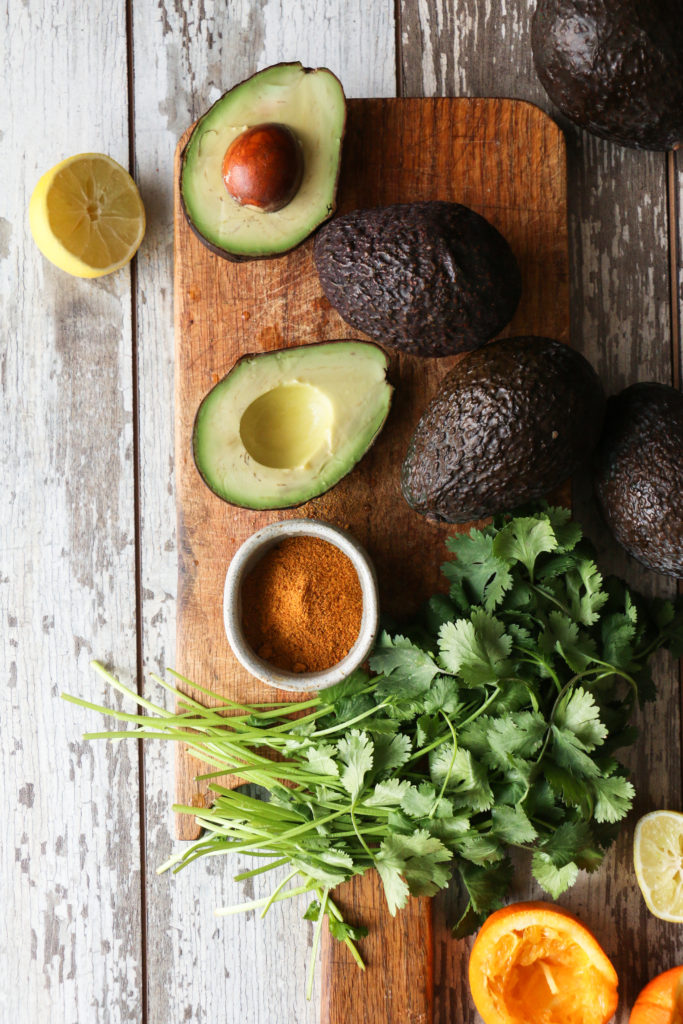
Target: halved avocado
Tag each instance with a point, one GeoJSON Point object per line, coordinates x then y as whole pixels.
{"type": "Point", "coordinates": [285, 426]}
{"type": "Point", "coordinates": [310, 103]}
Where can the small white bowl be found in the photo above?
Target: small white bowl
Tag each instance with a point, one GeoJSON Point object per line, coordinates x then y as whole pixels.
{"type": "Point", "coordinates": [244, 560]}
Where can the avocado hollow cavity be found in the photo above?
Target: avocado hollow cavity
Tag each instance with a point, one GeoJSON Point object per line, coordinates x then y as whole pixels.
{"type": "Point", "coordinates": [285, 426]}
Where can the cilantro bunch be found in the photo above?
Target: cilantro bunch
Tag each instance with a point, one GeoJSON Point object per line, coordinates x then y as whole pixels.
{"type": "Point", "coordinates": [492, 722]}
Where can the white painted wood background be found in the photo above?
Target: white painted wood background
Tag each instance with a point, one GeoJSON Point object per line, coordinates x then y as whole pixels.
{"type": "Point", "coordinates": [89, 934]}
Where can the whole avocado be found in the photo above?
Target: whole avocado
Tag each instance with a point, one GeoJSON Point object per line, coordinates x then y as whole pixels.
{"type": "Point", "coordinates": [509, 422]}
{"type": "Point", "coordinates": [432, 278]}
{"type": "Point", "coordinates": [615, 67]}
{"type": "Point", "coordinates": [639, 474]}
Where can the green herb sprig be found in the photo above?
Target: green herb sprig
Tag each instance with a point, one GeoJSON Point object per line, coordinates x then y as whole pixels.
{"type": "Point", "coordinates": [492, 722]}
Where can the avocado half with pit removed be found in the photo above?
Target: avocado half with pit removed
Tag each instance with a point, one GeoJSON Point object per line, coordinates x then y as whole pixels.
{"type": "Point", "coordinates": [285, 426]}
{"type": "Point", "coordinates": [286, 100]}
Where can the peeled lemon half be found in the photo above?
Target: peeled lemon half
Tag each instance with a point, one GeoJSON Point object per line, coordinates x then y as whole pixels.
{"type": "Point", "coordinates": [86, 215]}
{"type": "Point", "coordinates": [658, 861]}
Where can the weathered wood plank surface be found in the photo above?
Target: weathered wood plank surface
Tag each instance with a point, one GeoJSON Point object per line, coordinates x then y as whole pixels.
{"type": "Point", "coordinates": [70, 935]}
{"type": "Point", "coordinates": [621, 321]}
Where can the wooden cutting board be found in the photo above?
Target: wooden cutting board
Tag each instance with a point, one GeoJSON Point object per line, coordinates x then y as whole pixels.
{"type": "Point", "coordinates": [506, 160]}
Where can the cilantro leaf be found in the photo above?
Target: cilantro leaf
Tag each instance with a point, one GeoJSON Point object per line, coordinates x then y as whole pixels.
{"type": "Point", "coordinates": [584, 589]}
{"type": "Point", "coordinates": [477, 576]}
{"type": "Point", "coordinates": [476, 649]}
{"type": "Point", "coordinates": [418, 801]}
{"type": "Point", "coordinates": [578, 713]}
{"type": "Point", "coordinates": [512, 825]}
{"type": "Point", "coordinates": [321, 759]}
{"type": "Point", "coordinates": [388, 793]}
{"type": "Point", "coordinates": [523, 540]}
{"type": "Point", "coordinates": [486, 886]}
{"type": "Point", "coordinates": [341, 930]}
{"type": "Point", "coordinates": [410, 669]}
{"type": "Point", "coordinates": [391, 752]}
{"type": "Point", "coordinates": [555, 880]}
{"type": "Point", "coordinates": [562, 635]}
{"type": "Point", "coordinates": [567, 531]}
{"type": "Point", "coordinates": [614, 798]}
{"type": "Point", "coordinates": [569, 752]}
{"type": "Point", "coordinates": [463, 777]}
{"type": "Point", "coordinates": [412, 864]}
{"type": "Point", "coordinates": [356, 751]}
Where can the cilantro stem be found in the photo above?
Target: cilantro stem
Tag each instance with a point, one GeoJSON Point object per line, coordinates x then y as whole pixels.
{"type": "Point", "coordinates": [316, 943]}
{"type": "Point", "coordinates": [239, 908]}
{"type": "Point", "coordinates": [480, 710]}
{"type": "Point", "coordinates": [351, 721]}
{"type": "Point", "coordinates": [276, 890]}
{"type": "Point", "coordinates": [355, 829]}
{"type": "Point", "coordinates": [244, 875]}
{"type": "Point", "coordinates": [336, 913]}
{"type": "Point", "coordinates": [549, 596]}
{"type": "Point", "coordinates": [450, 766]}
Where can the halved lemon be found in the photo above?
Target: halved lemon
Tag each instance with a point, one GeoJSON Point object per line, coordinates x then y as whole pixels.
{"type": "Point", "coordinates": [86, 215]}
{"type": "Point", "coordinates": [658, 860]}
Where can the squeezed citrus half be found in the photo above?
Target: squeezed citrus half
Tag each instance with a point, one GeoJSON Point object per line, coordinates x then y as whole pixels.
{"type": "Point", "coordinates": [86, 215]}
{"type": "Point", "coordinates": [658, 860]}
{"type": "Point", "coordinates": [661, 1001]}
{"type": "Point", "coordinates": [534, 963]}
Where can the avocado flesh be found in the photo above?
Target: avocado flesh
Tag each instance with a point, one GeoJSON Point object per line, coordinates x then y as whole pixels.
{"type": "Point", "coordinates": [509, 423]}
{"type": "Point", "coordinates": [639, 474]}
{"type": "Point", "coordinates": [433, 278]}
{"type": "Point", "coordinates": [308, 101]}
{"type": "Point", "coordinates": [614, 67]}
{"type": "Point", "coordinates": [285, 426]}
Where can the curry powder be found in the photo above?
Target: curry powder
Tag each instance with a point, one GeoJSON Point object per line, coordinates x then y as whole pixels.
{"type": "Point", "coordinates": [302, 605]}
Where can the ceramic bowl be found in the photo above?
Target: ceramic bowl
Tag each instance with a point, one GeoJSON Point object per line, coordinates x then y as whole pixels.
{"type": "Point", "coordinates": [244, 561]}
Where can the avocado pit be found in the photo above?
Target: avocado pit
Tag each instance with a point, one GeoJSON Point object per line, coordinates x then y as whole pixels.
{"type": "Point", "coordinates": [263, 167]}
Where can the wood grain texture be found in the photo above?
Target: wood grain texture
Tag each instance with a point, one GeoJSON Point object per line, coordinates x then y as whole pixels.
{"type": "Point", "coordinates": [70, 930]}
{"type": "Point", "coordinates": [618, 239]}
{"type": "Point", "coordinates": [397, 986]}
{"type": "Point", "coordinates": [201, 968]}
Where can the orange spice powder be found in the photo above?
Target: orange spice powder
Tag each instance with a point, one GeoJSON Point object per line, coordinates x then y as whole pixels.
{"type": "Point", "coordinates": [302, 605]}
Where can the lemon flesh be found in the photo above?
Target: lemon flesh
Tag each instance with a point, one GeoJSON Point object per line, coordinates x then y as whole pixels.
{"type": "Point", "coordinates": [86, 215]}
{"type": "Point", "coordinates": [658, 862]}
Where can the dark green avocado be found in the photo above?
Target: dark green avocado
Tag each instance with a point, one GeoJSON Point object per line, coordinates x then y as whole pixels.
{"type": "Point", "coordinates": [431, 278]}
{"type": "Point", "coordinates": [615, 67]}
{"type": "Point", "coordinates": [260, 170]}
{"type": "Point", "coordinates": [639, 474]}
{"type": "Point", "coordinates": [509, 422]}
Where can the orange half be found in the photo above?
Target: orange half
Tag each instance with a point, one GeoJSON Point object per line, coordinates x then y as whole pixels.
{"type": "Point", "coordinates": [534, 963]}
{"type": "Point", "coordinates": [660, 1002]}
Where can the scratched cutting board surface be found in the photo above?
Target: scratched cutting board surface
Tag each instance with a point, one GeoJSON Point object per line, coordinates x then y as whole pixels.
{"type": "Point", "coordinates": [506, 160]}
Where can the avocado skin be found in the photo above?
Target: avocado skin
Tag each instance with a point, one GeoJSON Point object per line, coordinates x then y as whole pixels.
{"type": "Point", "coordinates": [615, 67]}
{"type": "Point", "coordinates": [431, 278]}
{"type": "Point", "coordinates": [639, 474]}
{"type": "Point", "coordinates": [509, 422]}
